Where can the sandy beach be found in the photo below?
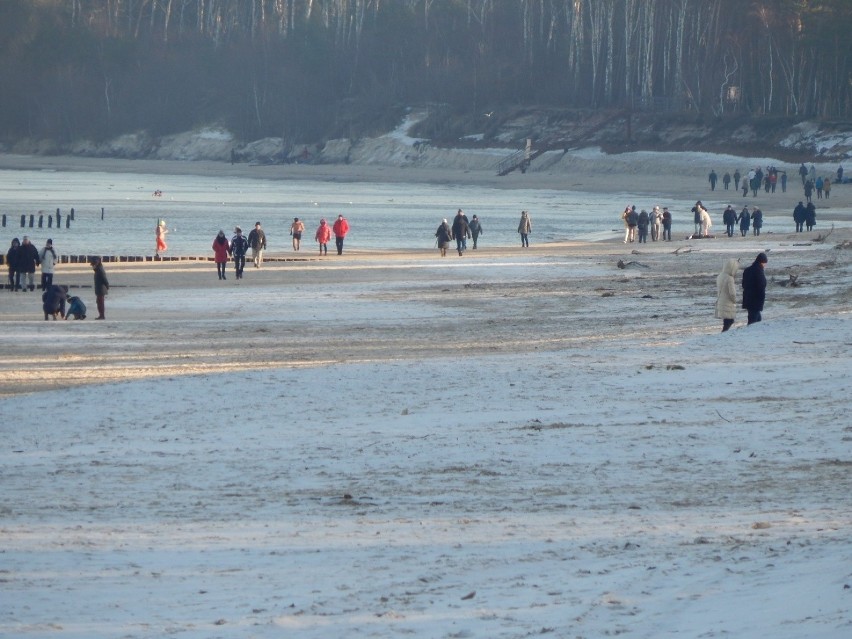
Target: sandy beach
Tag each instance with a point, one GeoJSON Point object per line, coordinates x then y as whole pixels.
{"type": "Point", "coordinates": [506, 444]}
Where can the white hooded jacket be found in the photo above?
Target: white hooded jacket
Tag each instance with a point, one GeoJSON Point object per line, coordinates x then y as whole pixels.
{"type": "Point", "coordinates": [726, 300]}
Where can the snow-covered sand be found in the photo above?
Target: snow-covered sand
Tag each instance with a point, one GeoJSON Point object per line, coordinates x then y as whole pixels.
{"type": "Point", "coordinates": [510, 444]}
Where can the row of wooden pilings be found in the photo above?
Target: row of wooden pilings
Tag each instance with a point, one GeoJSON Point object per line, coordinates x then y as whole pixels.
{"type": "Point", "coordinates": [40, 220]}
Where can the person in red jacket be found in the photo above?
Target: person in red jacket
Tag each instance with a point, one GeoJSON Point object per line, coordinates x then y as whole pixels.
{"type": "Point", "coordinates": [221, 249]}
{"type": "Point", "coordinates": [323, 236]}
{"type": "Point", "coordinates": [340, 228]}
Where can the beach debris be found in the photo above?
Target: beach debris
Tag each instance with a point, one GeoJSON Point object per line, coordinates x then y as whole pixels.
{"type": "Point", "coordinates": [469, 595]}
{"type": "Point", "coordinates": [792, 282]}
{"type": "Point", "coordinates": [631, 264]}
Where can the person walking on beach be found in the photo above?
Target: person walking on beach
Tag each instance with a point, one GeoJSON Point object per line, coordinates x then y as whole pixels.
{"type": "Point", "coordinates": [726, 296]}
{"type": "Point", "coordinates": [101, 286]}
{"type": "Point", "coordinates": [525, 228]}
{"type": "Point", "coordinates": [340, 229]}
{"type": "Point", "coordinates": [12, 264]}
{"type": "Point", "coordinates": [726, 180]}
{"type": "Point", "coordinates": [221, 249]}
{"type": "Point", "coordinates": [783, 181]}
{"type": "Point", "coordinates": [323, 236]}
{"type": "Point", "coordinates": [667, 224]}
{"type": "Point", "coordinates": [754, 288]}
{"type": "Point", "coordinates": [756, 221]}
{"type": "Point", "coordinates": [47, 256]}
{"type": "Point", "coordinates": [712, 178]}
{"type": "Point", "coordinates": [826, 186]}
{"type": "Point", "coordinates": [296, 230]}
{"type": "Point", "coordinates": [461, 231]}
{"type": "Point", "coordinates": [737, 180]}
{"type": "Point", "coordinates": [745, 221]}
{"type": "Point", "coordinates": [27, 262]}
{"type": "Point", "coordinates": [444, 235]}
{"type": "Point", "coordinates": [160, 236]}
{"type": "Point", "coordinates": [475, 230]}
{"type": "Point", "coordinates": [257, 242]}
{"type": "Point", "coordinates": [624, 218]}
{"type": "Point", "coordinates": [239, 248]}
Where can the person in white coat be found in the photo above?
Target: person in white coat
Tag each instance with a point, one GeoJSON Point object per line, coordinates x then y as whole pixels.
{"type": "Point", "coordinates": [48, 261]}
{"type": "Point", "coordinates": [706, 223]}
{"type": "Point", "coordinates": [726, 299]}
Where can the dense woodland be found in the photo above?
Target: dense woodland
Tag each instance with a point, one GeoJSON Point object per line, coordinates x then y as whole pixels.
{"type": "Point", "coordinates": [308, 69]}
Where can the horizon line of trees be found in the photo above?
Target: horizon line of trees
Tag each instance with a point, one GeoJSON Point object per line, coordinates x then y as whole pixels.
{"type": "Point", "coordinates": [307, 69]}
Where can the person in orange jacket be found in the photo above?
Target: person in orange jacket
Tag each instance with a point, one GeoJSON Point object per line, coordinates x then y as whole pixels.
{"type": "Point", "coordinates": [340, 228]}
{"type": "Point", "coordinates": [322, 236]}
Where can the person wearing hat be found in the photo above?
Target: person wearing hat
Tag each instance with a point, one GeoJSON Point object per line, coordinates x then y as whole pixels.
{"type": "Point", "coordinates": [745, 220]}
{"type": "Point", "coordinates": [27, 261]}
{"type": "Point", "coordinates": [48, 261]}
{"type": "Point", "coordinates": [101, 286]}
{"type": "Point", "coordinates": [444, 235]}
{"type": "Point", "coordinates": [12, 263]}
{"type": "Point", "coordinates": [221, 247]}
{"type": "Point", "coordinates": [257, 242]}
{"type": "Point", "coordinates": [475, 230]}
{"type": "Point", "coordinates": [323, 236]}
{"type": "Point", "coordinates": [754, 288]}
{"type": "Point", "coordinates": [239, 248]}
{"type": "Point", "coordinates": [160, 233]}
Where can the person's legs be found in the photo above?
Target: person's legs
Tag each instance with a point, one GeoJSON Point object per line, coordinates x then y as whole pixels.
{"type": "Point", "coordinates": [726, 324]}
{"type": "Point", "coordinates": [339, 242]}
{"type": "Point", "coordinates": [753, 316]}
{"type": "Point", "coordinates": [99, 300]}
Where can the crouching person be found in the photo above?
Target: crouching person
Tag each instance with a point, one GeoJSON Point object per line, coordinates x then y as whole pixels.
{"type": "Point", "coordinates": [54, 301]}
{"type": "Point", "coordinates": [76, 307]}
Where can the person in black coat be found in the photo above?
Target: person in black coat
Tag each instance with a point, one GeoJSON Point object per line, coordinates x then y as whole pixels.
{"type": "Point", "coordinates": [12, 263]}
{"type": "Point", "coordinates": [28, 260]}
{"type": "Point", "coordinates": [461, 231]}
{"type": "Point", "coordinates": [54, 301]}
{"type": "Point", "coordinates": [729, 217]}
{"type": "Point", "coordinates": [810, 216]}
{"type": "Point", "coordinates": [799, 216]}
{"type": "Point", "coordinates": [754, 288]}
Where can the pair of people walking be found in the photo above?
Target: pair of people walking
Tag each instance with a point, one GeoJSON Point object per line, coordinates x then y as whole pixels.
{"type": "Point", "coordinates": [754, 291]}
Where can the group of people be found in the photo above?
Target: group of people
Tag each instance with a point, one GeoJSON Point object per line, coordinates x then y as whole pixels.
{"type": "Point", "coordinates": [745, 219]}
{"type": "Point", "coordinates": [463, 229]}
{"type": "Point", "coordinates": [23, 258]}
{"type": "Point", "coordinates": [804, 215]}
{"type": "Point", "coordinates": [637, 224]}
{"type": "Point", "coordinates": [754, 291]}
{"type": "Point", "coordinates": [238, 246]}
{"type": "Point", "coordinates": [754, 179]}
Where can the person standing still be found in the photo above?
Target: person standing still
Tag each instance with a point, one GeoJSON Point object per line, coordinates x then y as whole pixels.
{"type": "Point", "coordinates": [726, 297]}
{"type": "Point", "coordinates": [754, 288]}
{"type": "Point", "coordinates": [340, 228]}
{"type": "Point", "coordinates": [667, 224]}
{"type": "Point", "coordinates": [257, 242]}
{"type": "Point", "coordinates": [525, 228]}
{"type": "Point", "coordinates": [48, 263]}
{"type": "Point", "coordinates": [101, 286]}
{"type": "Point", "coordinates": [28, 260]}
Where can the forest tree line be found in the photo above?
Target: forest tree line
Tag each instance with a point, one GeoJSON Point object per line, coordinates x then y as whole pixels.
{"type": "Point", "coordinates": [307, 69]}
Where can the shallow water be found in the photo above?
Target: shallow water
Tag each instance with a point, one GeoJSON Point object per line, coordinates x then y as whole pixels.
{"type": "Point", "coordinates": [116, 213]}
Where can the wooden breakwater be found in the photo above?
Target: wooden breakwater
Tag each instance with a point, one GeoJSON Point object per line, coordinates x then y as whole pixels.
{"type": "Point", "coordinates": [121, 259]}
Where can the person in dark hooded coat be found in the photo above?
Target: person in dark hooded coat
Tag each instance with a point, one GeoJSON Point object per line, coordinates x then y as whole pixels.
{"type": "Point", "coordinates": [54, 301]}
{"type": "Point", "coordinates": [754, 288]}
